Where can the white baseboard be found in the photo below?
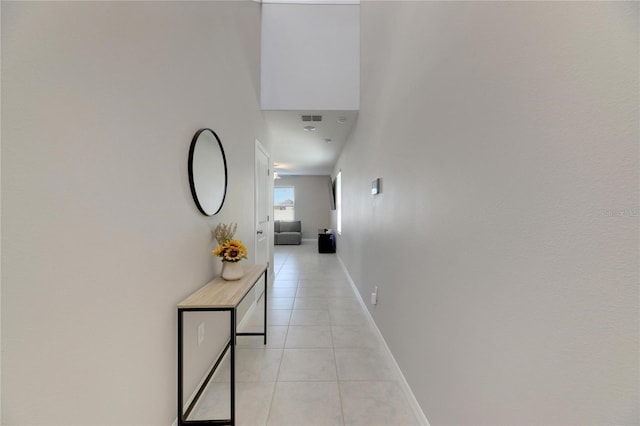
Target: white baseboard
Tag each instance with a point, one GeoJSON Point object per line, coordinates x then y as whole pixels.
{"type": "Point", "coordinates": [415, 406]}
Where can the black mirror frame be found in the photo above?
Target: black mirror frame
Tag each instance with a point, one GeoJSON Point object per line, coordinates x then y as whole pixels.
{"type": "Point", "coordinates": [191, 180]}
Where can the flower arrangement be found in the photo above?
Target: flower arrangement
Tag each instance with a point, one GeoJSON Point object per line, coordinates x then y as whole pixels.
{"type": "Point", "coordinates": [229, 250]}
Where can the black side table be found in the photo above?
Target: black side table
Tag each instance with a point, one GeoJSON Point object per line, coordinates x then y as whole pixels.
{"type": "Point", "coordinates": [326, 243]}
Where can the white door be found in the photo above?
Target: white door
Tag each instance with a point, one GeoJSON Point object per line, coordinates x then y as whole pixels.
{"type": "Point", "coordinates": [262, 203]}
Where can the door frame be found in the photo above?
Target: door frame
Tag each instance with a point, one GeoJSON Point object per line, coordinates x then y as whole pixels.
{"type": "Point", "coordinates": [259, 148]}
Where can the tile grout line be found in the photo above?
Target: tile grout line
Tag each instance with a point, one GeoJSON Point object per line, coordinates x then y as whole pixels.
{"type": "Point", "coordinates": [275, 384]}
{"type": "Point", "coordinates": [335, 359]}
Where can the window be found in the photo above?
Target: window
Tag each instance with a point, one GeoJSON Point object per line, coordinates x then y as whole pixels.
{"type": "Point", "coordinates": [284, 203]}
{"type": "Point", "coordinates": [339, 202]}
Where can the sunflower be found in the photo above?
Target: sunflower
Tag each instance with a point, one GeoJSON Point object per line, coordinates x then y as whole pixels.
{"type": "Point", "coordinates": [231, 251]}
{"type": "Point", "coordinates": [219, 251]}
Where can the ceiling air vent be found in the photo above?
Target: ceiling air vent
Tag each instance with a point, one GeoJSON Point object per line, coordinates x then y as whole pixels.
{"type": "Point", "coordinates": [311, 118]}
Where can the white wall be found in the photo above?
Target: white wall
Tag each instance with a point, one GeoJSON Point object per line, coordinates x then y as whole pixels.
{"type": "Point", "coordinates": [100, 236]}
{"type": "Point", "coordinates": [505, 241]}
{"type": "Point", "coordinates": [313, 206]}
{"type": "Point", "coordinates": [310, 57]}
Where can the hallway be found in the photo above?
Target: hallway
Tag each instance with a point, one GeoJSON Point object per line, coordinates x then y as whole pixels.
{"type": "Point", "coordinates": [323, 364]}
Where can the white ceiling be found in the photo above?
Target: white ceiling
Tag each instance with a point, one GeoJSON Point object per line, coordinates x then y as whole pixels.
{"type": "Point", "coordinates": [295, 151]}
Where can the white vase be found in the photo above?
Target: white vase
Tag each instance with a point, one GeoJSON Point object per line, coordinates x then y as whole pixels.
{"type": "Point", "coordinates": [232, 271]}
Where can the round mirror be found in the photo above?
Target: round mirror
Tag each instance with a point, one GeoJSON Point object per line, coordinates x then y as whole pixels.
{"type": "Point", "coordinates": [207, 171]}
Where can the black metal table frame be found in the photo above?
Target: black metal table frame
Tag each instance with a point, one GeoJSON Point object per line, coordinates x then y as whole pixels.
{"type": "Point", "coordinates": [183, 415]}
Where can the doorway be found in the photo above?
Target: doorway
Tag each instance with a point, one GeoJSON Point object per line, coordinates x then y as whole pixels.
{"type": "Point", "coordinates": [263, 188]}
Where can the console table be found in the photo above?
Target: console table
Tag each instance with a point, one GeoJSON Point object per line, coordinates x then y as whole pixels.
{"type": "Point", "coordinates": [218, 295]}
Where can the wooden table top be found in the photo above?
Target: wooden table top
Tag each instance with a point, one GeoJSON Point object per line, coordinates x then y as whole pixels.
{"type": "Point", "coordinates": [220, 293]}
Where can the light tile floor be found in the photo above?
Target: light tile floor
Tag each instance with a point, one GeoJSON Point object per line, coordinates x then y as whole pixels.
{"type": "Point", "coordinates": [323, 363]}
